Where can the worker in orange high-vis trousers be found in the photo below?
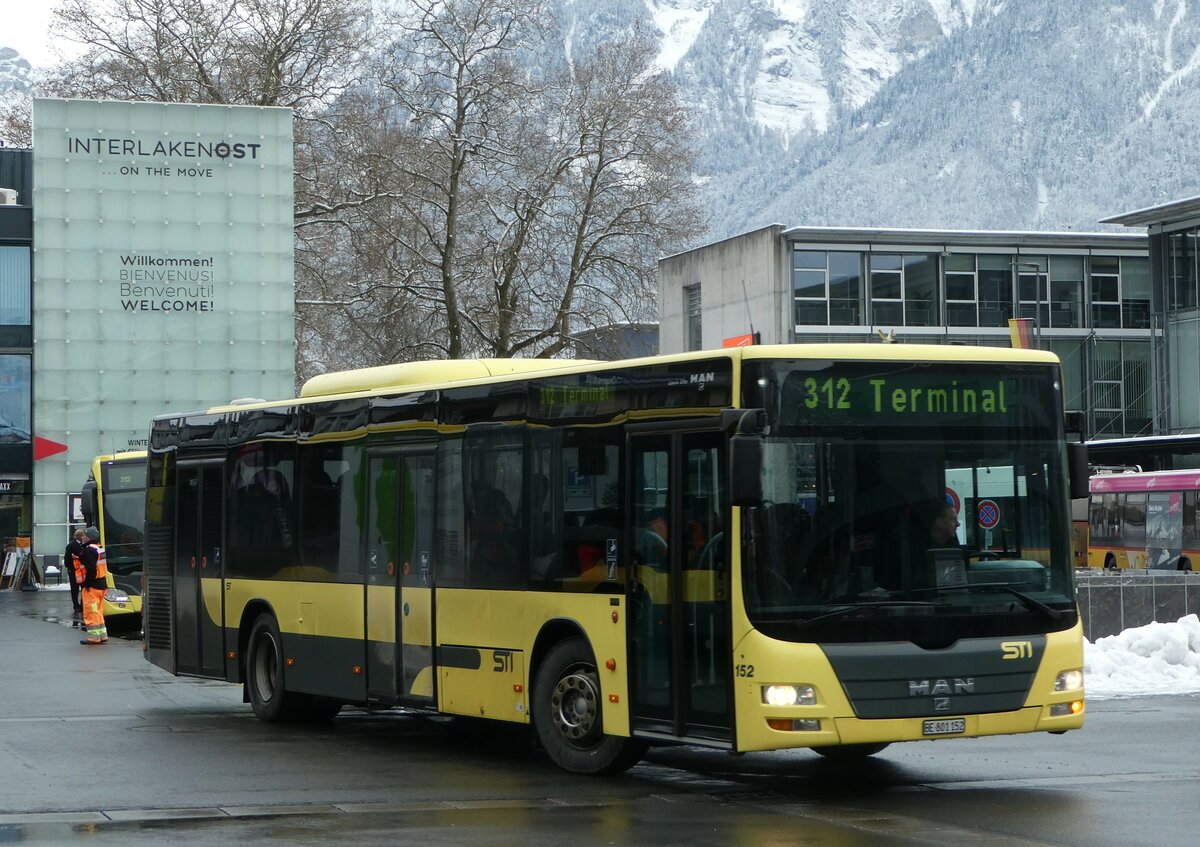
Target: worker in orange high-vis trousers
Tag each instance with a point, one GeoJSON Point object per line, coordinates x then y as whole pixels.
{"type": "Point", "coordinates": [95, 583]}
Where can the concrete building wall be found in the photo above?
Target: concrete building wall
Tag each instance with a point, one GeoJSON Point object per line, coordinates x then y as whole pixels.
{"type": "Point", "coordinates": [743, 285]}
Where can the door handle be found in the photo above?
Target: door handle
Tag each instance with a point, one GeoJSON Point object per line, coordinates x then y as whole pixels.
{"type": "Point", "coordinates": [193, 562]}
{"type": "Point", "coordinates": [204, 561]}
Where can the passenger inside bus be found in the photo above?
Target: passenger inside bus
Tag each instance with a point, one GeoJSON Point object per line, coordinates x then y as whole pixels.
{"type": "Point", "coordinates": [493, 553]}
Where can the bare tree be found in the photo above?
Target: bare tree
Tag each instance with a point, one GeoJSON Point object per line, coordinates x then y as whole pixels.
{"type": "Point", "coordinates": [621, 196]}
{"type": "Point", "coordinates": [463, 187]}
{"type": "Point", "coordinates": [532, 198]}
{"type": "Point", "coordinates": [295, 53]}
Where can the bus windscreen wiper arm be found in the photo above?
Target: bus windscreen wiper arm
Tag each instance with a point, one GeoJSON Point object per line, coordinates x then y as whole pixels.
{"type": "Point", "coordinates": [1027, 601]}
{"type": "Point", "coordinates": [844, 611]}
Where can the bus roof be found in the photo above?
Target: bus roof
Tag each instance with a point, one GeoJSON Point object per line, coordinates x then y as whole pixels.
{"type": "Point", "coordinates": [121, 456]}
{"type": "Point", "coordinates": [1145, 481]}
{"type": "Point", "coordinates": [439, 374]}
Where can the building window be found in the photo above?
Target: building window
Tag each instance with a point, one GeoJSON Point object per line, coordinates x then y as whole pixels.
{"type": "Point", "coordinates": [903, 289]}
{"type": "Point", "coordinates": [995, 289]}
{"type": "Point", "coordinates": [692, 307]}
{"type": "Point", "coordinates": [887, 289]}
{"type": "Point", "coordinates": [1106, 301]}
{"type": "Point", "coordinates": [15, 286]}
{"type": "Point", "coordinates": [827, 288]}
{"type": "Point", "coordinates": [1181, 270]}
{"type": "Point", "coordinates": [16, 399]}
{"type": "Point", "coordinates": [962, 293]}
{"type": "Point", "coordinates": [1122, 393]}
{"type": "Point", "coordinates": [920, 290]}
{"type": "Point", "coordinates": [1135, 292]}
{"type": "Point", "coordinates": [1066, 291]}
{"type": "Point", "coordinates": [845, 289]}
{"type": "Point", "coordinates": [1032, 294]}
{"type": "Point", "coordinates": [809, 289]}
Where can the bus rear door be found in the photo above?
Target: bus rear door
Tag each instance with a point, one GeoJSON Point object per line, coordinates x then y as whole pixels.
{"type": "Point", "coordinates": [199, 600]}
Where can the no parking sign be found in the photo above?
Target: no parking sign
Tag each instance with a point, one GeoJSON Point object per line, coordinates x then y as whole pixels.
{"type": "Point", "coordinates": [988, 513]}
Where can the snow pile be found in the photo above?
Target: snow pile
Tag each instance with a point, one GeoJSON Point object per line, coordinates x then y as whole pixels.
{"type": "Point", "coordinates": [1158, 658]}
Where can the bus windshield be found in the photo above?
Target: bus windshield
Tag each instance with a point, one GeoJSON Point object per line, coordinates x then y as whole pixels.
{"type": "Point", "coordinates": [124, 492]}
{"type": "Point", "coordinates": [922, 503]}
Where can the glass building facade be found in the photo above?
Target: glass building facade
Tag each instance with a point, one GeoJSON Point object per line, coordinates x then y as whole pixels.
{"type": "Point", "coordinates": [162, 279]}
{"type": "Point", "coordinates": [1173, 233]}
{"type": "Point", "coordinates": [1088, 298]}
{"type": "Point", "coordinates": [16, 346]}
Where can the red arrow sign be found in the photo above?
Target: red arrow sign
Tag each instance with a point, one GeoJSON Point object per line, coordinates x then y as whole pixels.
{"type": "Point", "coordinates": [43, 447]}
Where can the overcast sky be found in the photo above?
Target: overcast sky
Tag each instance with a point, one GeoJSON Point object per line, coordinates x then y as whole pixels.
{"type": "Point", "coordinates": [23, 26]}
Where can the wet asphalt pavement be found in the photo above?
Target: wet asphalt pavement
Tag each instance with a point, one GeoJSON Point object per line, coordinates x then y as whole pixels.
{"type": "Point", "coordinates": [183, 761]}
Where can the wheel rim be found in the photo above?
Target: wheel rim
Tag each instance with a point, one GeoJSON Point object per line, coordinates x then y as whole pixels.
{"type": "Point", "coordinates": [266, 668]}
{"type": "Point", "coordinates": [575, 706]}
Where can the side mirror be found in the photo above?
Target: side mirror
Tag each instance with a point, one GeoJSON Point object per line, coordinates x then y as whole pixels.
{"type": "Point", "coordinates": [746, 460]}
{"type": "Point", "coordinates": [745, 470]}
{"type": "Point", "coordinates": [1077, 468]}
{"type": "Point", "coordinates": [87, 503]}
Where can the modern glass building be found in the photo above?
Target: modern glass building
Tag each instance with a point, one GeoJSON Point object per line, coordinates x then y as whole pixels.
{"type": "Point", "coordinates": [1088, 298]}
{"type": "Point", "coordinates": [146, 268]}
{"type": "Point", "coordinates": [16, 344]}
{"type": "Point", "coordinates": [1173, 232]}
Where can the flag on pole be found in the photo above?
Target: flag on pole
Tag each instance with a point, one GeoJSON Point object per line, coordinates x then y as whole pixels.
{"type": "Point", "coordinates": [1018, 332]}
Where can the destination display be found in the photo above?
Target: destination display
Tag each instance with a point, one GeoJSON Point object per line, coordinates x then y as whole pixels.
{"type": "Point", "coordinates": [850, 394]}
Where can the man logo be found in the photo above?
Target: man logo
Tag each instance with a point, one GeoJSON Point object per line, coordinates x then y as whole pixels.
{"type": "Point", "coordinates": [1016, 649]}
{"type": "Point", "coordinates": [927, 687]}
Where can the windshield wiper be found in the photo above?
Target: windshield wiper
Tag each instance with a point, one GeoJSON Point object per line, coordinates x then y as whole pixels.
{"type": "Point", "coordinates": [854, 608]}
{"type": "Point", "coordinates": [1027, 601]}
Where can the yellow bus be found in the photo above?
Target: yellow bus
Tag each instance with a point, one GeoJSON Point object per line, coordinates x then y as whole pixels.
{"type": "Point", "coordinates": [724, 548]}
{"type": "Point", "coordinates": [114, 501]}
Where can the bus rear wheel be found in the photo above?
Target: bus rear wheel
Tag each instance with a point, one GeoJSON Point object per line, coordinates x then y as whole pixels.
{"type": "Point", "coordinates": [264, 675]}
{"type": "Point", "coordinates": [567, 714]}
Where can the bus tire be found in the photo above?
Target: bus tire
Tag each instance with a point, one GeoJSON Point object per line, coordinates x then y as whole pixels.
{"type": "Point", "coordinates": [320, 709]}
{"type": "Point", "coordinates": [1185, 564]}
{"type": "Point", "coordinates": [568, 712]}
{"type": "Point", "coordinates": [849, 752]}
{"type": "Point", "coordinates": [264, 674]}
{"type": "Point", "coordinates": [1110, 562]}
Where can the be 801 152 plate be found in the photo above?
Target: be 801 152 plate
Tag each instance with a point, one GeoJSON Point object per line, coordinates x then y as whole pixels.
{"type": "Point", "coordinates": [951, 726]}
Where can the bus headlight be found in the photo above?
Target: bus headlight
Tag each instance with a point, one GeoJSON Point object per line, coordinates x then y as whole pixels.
{"type": "Point", "coordinates": [116, 595]}
{"type": "Point", "coordinates": [789, 695]}
{"type": "Point", "coordinates": [1069, 681]}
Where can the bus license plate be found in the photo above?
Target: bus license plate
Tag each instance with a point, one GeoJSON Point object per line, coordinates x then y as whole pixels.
{"type": "Point", "coordinates": [947, 727]}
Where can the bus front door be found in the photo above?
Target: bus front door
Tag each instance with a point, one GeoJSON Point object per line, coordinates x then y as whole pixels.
{"type": "Point", "coordinates": [400, 577]}
{"type": "Point", "coordinates": [678, 592]}
{"type": "Point", "coordinates": [199, 600]}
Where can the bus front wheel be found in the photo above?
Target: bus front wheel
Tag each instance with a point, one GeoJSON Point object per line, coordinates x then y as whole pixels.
{"type": "Point", "coordinates": [567, 714]}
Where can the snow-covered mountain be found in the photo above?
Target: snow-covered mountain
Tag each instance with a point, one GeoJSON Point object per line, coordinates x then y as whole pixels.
{"type": "Point", "coordinates": [1012, 114]}
{"type": "Point", "coordinates": [15, 72]}
{"type": "Point", "coordinates": [1007, 114]}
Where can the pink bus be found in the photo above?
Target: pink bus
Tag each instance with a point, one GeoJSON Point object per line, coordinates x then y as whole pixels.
{"type": "Point", "coordinates": [1144, 520]}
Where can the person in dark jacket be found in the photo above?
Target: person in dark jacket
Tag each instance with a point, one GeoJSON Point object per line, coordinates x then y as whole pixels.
{"type": "Point", "coordinates": [72, 566]}
{"type": "Point", "coordinates": [95, 583]}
